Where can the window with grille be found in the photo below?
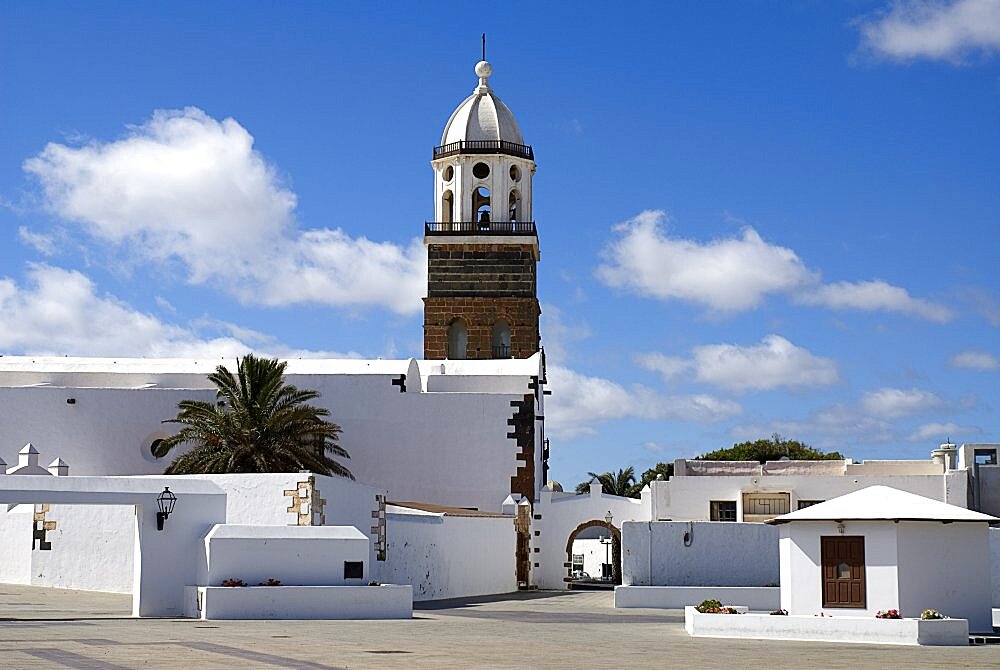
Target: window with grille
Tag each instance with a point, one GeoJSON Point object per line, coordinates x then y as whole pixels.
{"type": "Point", "coordinates": [764, 506]}
{"type": "Point", "coordinates": [722, 510]}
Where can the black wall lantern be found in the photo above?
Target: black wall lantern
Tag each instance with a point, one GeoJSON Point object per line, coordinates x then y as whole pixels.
{"type": "Point", "coordinates": [165, 504]}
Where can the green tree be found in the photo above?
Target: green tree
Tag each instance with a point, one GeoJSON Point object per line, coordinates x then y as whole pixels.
{"type": "Point", "coordinates": [770, 450]}
{"type": "Point", "coordinates": [665, 469]}
{"type": "Point", "coordinates": [620, 484]}
{"type": "Point", "coordinates": [258, 424]}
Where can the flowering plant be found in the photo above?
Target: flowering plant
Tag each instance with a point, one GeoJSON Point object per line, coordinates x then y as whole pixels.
{"type": "Point", "coordinates": [233, 582]}
{"type": "Point", "coordinates": [888, 614]}
{"type": "Point", "coordinates": [715, 607]}
{"type": "Point", "coordinates": [271, 582]}
{"type": "Point", "coordinates": [932, 614]}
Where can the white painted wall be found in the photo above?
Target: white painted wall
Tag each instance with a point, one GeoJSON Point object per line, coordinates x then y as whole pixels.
{"type": "Point", "coordinates": [801, 583]}
{"type": "Point", "coordinates": [93, 545]}
{"type": "Point", "coordinates": [688, 498]}
{"type": "Point", "coordinates": [945, 567]}
{"type": "Point", "coordinates": [163, 561]}
{"type": "Point", "coordinates": [300, 602]}
{"type": "Point", "coordinates": [561, 514]}
{"type": "Point", "coordinates": [995, 565]}
{"type": "Point", "coordinates": [15, 545]}
{"type": "Point", "coordinates": [716, 554]}
{"type": "Point", "coordinates": [449, 448]}
{"type": "Point", "coordinates": [93, 548]}
{"type": "Point", "coordinates": [989, 489]}
{"type": "Point", "coordinates": [595, 554]}
{"type": "Point", "coordinates": [449, 556]}
{"type": "Point", "coordinates": [294, 555]}
{"type": "Point", "coordinates": [759, 598]}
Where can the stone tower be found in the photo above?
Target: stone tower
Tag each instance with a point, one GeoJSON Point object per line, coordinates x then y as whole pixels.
{"type": "Point", "coordinates": [482, 247]}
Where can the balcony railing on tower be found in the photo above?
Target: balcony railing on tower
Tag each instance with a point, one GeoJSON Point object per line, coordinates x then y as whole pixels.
{"type": "Point", "coordinates": [484, 147]}
{"type": "Point", "coordinates": [482, 227]}
{"type": "Point", "coordinates": [501, 351]}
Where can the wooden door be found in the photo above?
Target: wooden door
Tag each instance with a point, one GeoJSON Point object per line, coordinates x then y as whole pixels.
{"type": "Point", "coordinates": [843, 571]}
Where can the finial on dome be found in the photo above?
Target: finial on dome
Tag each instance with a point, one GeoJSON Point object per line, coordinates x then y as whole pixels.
{"type": "Point", "coordinates": [483, 71]}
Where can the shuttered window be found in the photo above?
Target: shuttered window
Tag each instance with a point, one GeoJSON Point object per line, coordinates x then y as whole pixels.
{"type": "Point", "coordinates": [843, 571]}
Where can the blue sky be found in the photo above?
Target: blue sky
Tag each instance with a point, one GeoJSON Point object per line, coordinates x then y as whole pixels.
{"type": "Point", "coordinates": [754, 217]}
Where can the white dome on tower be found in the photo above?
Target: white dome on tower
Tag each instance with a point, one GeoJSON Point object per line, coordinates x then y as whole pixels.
{"type": "Point", "coordinates": [482, 116]}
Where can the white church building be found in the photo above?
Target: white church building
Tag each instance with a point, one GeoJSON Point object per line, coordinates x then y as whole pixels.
{"type": "Point", "coordinates": [452, 494]}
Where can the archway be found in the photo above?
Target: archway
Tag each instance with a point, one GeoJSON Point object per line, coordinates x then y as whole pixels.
{"type": "Point", "coordinates": [458, 340]}
{"type": "Point", "coordinates": [500, 339]}
{"type": "Point", "coordinates": [612, 543]}
{"type": "Point", "coordinates": [447, 207]}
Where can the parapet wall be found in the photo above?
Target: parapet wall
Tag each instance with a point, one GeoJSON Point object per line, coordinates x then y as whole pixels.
{"type": "Point", "coordinates": [699, 553]}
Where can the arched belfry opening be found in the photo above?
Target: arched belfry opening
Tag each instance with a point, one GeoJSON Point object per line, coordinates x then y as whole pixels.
{"type": "Point", "coordinates": [481, 204]}
{"type": "Point", "coordinates": [500, 339]}
{"type": "Point", "coordinates": [482, 246]}
{"type": "Point", "coordinates": [447, 207]}
{"type": "Point", "coordinates": [514, 206]}
{"type": "Point", "coordinates": [458, 340]}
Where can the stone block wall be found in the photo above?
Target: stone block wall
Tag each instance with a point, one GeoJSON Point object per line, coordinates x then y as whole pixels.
{"type": "Point", "coordinates": [479, 314]}
{"type": "Point", "coordinates": [488, 270]}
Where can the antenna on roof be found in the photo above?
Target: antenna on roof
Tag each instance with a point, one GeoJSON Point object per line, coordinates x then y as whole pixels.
{"type": "Point", "coordinates": [484, 46]}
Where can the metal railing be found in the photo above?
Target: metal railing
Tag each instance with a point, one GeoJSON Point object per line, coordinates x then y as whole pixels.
{"type": "Point", "coordinates": [501, 351]}
{"type": "Point", "coordinates": [484, 147]}
{"type": "Point", "coordinates": [480, 228]}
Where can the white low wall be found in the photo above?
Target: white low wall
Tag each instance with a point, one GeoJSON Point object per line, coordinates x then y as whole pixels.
{"type": "Point", "coordinates": [388, 601]}
{"type": "Point", "coordinates": [679, 597]}
{"type": "Point", "coordinates": [868, 630]}
{"type": "Point", "coordinates": [699, 553]}
{"type": "Point", "coordinates": [449, 556]}
{"type": "Point", "coordinates": [995, 564]}
{"type": "Point", "coordinates": [294, 555]}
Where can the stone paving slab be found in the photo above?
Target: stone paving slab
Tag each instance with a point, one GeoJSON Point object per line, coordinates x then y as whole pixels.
{"type": "Point", "coordinates": [53, 628]}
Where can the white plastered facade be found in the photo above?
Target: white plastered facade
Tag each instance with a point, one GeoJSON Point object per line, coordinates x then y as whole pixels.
{"type": "Point", "coordinates": [443, 440]}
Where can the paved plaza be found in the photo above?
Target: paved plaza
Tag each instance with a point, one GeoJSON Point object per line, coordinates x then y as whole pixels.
{"type": "Point", "coordinates": [50, 628]}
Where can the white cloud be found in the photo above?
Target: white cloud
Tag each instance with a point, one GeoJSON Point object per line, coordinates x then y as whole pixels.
{"type": "Point", "coordinates": [939, 432]}
{"type": "Point", "coordinates": [558, 336]}
{"type": "Point", "coordinates": [668, 366]}
{"type": "Point", "coordinates": [934, 30]}
{"type": "Point", "coordinates": [876, 295]}
{"type": "Point", "coordinates": [736, 274]}
{"type": "Point", "coordinates": [579, 402]}
{"type": "Point", "coordinates": [186, 187]}
{"type": "Point", "coordinates": [831, 428]}
{"type": "Point", "coordinates": [43, 244]}
{"type": "Point", "coordinates": [987, 304]}
{"type": "Point", "coordinates": [728, 275]}
{"type": "Point", "coordinates": [975, 360]}
{"type": "Point", "coordinates": [774, 363]}
{"type": "Point", "coordinates": [872, 420]}
{"type": "Point", "coordinates": [892, 403]}
{"type": "Point", "coordinates": [59, 312]}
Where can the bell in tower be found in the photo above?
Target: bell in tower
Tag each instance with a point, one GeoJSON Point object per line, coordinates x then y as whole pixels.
{"type": "Point", "coordinates": [482, 247]}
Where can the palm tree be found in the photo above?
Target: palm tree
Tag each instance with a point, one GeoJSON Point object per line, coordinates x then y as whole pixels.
{"type": "Point", "coordinates": [258, 424]}
{"type": "Point", "coordinates": [620, 484]}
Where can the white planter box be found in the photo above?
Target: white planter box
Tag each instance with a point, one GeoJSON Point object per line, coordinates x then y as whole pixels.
{"type": "Point", "coordinates": [679, 597]}
{"type": "Point", "coordinates": [828, 629]}
{"type": "Point", "coordinates": [389, 601]}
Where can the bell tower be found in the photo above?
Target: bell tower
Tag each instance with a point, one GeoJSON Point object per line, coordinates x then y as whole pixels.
{"type": "Point", "coordinates": [482, 247]}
